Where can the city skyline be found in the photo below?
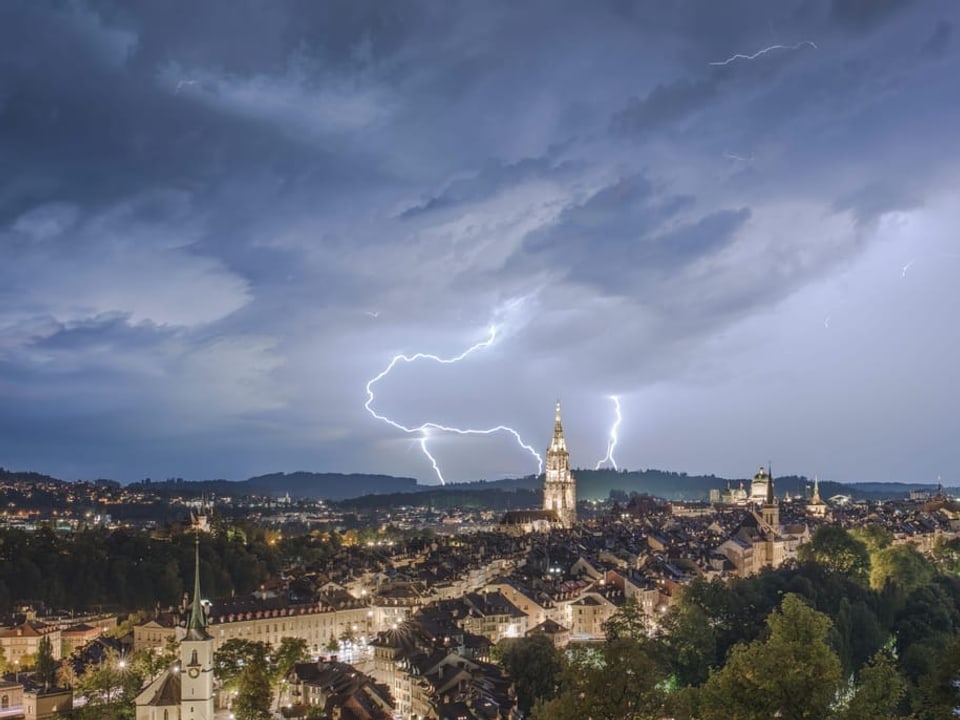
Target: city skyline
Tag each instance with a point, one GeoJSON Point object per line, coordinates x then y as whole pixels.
{"type": "Point", "coordinates": [238, 242]}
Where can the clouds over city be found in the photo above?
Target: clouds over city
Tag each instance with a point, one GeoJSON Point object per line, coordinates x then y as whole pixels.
{"type": "Point", "coordinates": [218, 223]}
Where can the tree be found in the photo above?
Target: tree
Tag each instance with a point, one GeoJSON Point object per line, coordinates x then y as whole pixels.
{"type": "Point", "coordinates": [901, 565]}
{"type": "Point", "coordinates": [689, 642]}
{"type": "Point", "coordinates": [617, 680]}
{"type": "Point", "coordinates": [253, 693]}
{"type": "Point", "coordinates": [534, 664]}
{"type": "Point", "coordinates": [833, 547]}
{"type": "Point", "coordinates": [923, 627]}
{"type": "Point", "coordinates": [46, 672]}
{"type": "Point", "coordinates": [858, 634]}
{"type": "Point", "coordinates": [794, 674]}
{"type": "Point", "coordinates": [627, 622]}
{"type": "Point", "coordinates": [290, 652]}
{"type": "Point", "coordinates": [879, 692]}
{"type": "Point", "coordinates": [939, 690]}
{"type": "Point", "coordinates": [946, 554]}
{"type": "Point", "coordinates": [874, 537]}
{"type": "Point", "coordinates": [235, 655]}
{"type": "Point", "coordinates": [108, 689]}
{"type": "Point", "coordinates": [332, 644]}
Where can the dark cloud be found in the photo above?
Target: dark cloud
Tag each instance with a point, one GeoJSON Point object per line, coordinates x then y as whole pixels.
{"type": "Point", "coordinates": [665, 104]}
{"type": "Point", "coordinates": [493, 178]}
{"type": "Point", "coordinates": [871, 201]}
{"type": "Point", "coordinates": [219, 220]}
{"type": "Point", "coordinates": [630, 230]}
{"type": "Point", "coordinates": [861, 14]}
{"type": "Point", "coordinates": [939, 41]}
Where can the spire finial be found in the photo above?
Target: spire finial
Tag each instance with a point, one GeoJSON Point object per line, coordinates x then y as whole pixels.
{"type": "Point", "coordinates": [558, 443]}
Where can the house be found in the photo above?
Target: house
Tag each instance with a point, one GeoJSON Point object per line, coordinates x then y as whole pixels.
{"type": "Point", "coordinates": [336, 689]}
{"type": "Point", "coordinates": [22, 640]}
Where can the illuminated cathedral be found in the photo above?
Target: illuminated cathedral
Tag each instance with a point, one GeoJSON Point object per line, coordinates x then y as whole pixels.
{"type": "Point", "coordinates": [559, 485]}
{"type": "Point", "coordinates": [559, 492]}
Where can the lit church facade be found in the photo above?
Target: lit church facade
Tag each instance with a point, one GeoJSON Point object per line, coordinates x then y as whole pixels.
{"type": "Point", "coordinates": [559, 492]}
{"type": "Point", "coordinates": [559, 485]}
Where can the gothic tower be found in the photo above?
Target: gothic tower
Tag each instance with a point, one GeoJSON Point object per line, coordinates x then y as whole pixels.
{"type": "Point", "coordinates": [559, 486]}
{"type": "Point", "coordinates": [196, 659]}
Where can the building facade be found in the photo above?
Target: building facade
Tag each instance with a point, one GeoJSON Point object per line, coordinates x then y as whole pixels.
{"type": "Point", "coordinates": [24, 640]}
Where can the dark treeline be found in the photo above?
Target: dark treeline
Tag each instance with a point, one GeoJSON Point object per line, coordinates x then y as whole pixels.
{"type": "Point", "coordinates": [124, 571]}
{"type": "Point", "coordinates": [307, 485]}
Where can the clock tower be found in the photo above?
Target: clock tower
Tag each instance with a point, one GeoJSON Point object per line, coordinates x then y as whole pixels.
{"type": "Point", "coordinates": [196, 658]}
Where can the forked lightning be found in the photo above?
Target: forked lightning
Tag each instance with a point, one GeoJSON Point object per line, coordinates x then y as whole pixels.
{"type": "Point", "coordinates": [614, 435]}
{"type": "Point", "coordinates": [425, 428]}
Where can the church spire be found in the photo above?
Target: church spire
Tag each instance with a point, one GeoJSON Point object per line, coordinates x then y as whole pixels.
{"type": "Point", "coordinates": [816, 488]}
{"type": "Point", "coordinates": [559, 485]}
{"type": "Point", "coordinates": [197, 621]}
{"type": "Point", "coordinates": [558, 444]}
{"type": "Point", "coordinates": [770, 499]}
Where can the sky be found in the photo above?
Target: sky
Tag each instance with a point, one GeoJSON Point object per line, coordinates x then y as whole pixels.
{"type": "Point", "coordinates": [220, 221]}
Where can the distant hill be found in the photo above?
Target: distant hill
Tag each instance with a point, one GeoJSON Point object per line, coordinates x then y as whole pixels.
{"type": "Point", "coordinates": [330, 486]}
{"type": "Point", "coordinates": [506, 493]}
{"type": "Point", "coordinates": [307, 485]}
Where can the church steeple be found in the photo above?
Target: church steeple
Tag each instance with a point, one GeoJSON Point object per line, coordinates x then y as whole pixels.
{"type": "Point", "coordinates": [197, 622]}
{"type": "Point", "coordinates": [816, 489]}
{"type": "Point", "coordinates": [559, 485]}
{"type": "Point", "coordinates": [558, 444]}
{"type": "Point", "coordinates": [196, 657]}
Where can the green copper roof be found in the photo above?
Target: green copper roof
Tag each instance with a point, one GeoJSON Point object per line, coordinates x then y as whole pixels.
{"type": "Point", "coordinates": [197, 620]}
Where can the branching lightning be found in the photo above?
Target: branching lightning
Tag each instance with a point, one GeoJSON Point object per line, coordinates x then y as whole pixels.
{"type": "Point", "coordinates": [425, 428]}
{"type": "Point", "coordinates": [765, 50]}
{"type": "Point", "coordinates": [614, 436]}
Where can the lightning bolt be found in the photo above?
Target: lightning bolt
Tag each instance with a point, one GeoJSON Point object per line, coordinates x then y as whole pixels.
{"type": "Point", "coordinates": [425, 428]}
{"type": "Point", "coordinates": [181, 83]}
{"type": "Point", "coordinates": [733, 156]}
{"type": "Point", "coordinates": [614, 436]}
{"type": "Point", "coordinates": [765, 50]}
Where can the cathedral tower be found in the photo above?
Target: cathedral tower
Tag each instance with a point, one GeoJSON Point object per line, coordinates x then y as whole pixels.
{"type": "Point", "coordinates": [196, 659]}
{"type": "Point", "coordinates": [559, 486]}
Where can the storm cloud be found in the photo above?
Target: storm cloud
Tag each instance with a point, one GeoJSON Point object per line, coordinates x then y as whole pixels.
{"type": "Point", "coordinates": [218, 222]}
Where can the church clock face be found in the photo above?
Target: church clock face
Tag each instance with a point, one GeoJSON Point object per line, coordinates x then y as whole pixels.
{"type": "Point", "coordinates": [193, 672]}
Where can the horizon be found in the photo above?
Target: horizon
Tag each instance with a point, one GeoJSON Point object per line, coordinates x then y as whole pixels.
{"type": "Point", "coordinates": [389, 238]}
{"type": "Point", "coordinates": [452, 484]}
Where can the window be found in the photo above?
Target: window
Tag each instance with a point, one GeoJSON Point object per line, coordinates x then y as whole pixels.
{"type": "Point", "coordinates": [193, 658]}
{"type": "Point", "coordinates": [5, 701]}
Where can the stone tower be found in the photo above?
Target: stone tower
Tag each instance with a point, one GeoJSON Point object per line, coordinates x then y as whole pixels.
{"type": "Point", "coordinates": [196, 659]}
{"type": "Point", "coordinates": [559, 486]}
{"type": "Point", "coordinates": [771, 508]}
